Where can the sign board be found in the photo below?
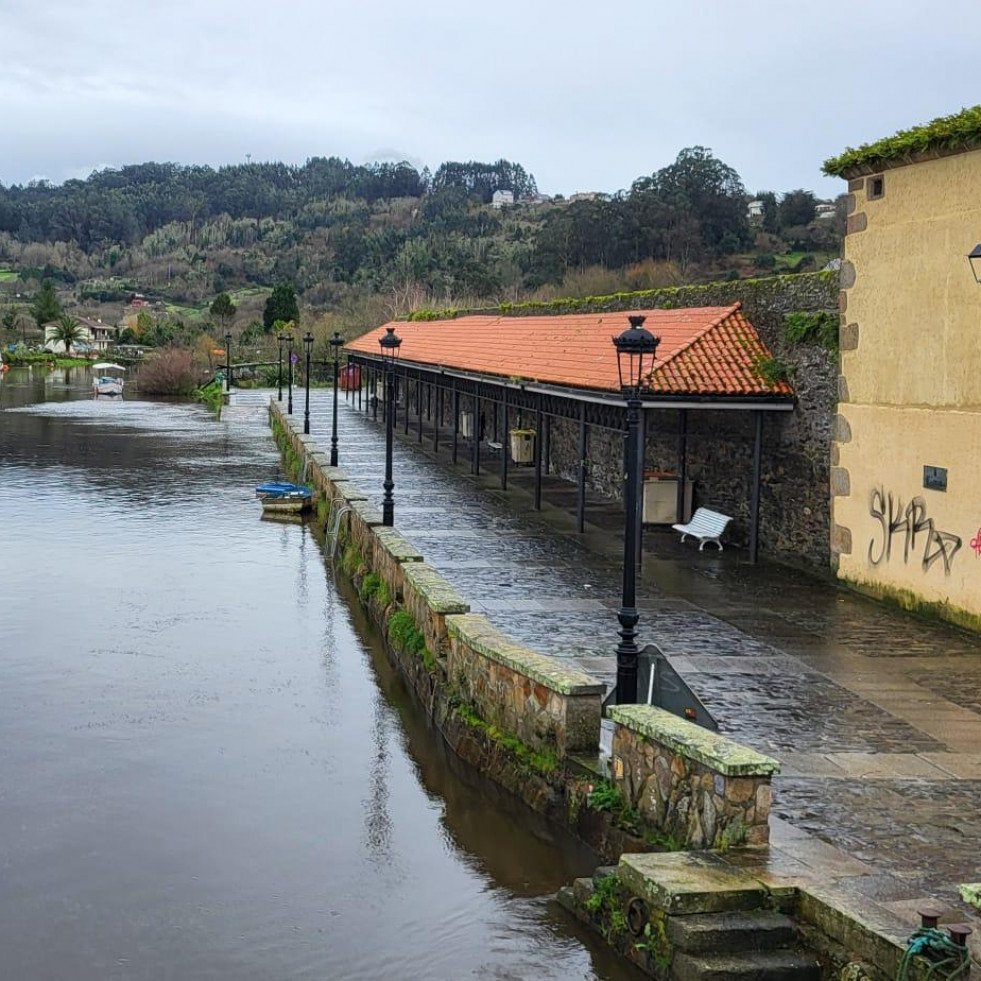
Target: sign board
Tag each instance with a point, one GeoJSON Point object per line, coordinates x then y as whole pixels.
{"type": "Point", "coordinates": [935, 478]}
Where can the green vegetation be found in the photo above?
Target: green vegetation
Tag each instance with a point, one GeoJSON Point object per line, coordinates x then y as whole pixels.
{"type": "Point", "coordinates": [606, 796]}
{"type": "Point", "coordinates": [212, 396]}
{"type": "Point", "coordinates": [46, 307]}
{"type": "Point", "coordinates": [960, 131]}
{"type": "Point", "coordinates": [373, 587]}
{"type": "Point", "coordinates": [606, 903]}
{"type": "Point", "coordinates": [404, 635]}
{"type": "Point", "coordinates": [24, 358]}
{"type": "Point", "coordinates": [771, 370]}
{"type": "Point", "coordinates": [812, 327]}
{"type": "Point", "coordinates": [281, 307]}
{"type": "Point", "coordinates": [7, 275]}
{"type": "Point", "coordinates": [541, 761]}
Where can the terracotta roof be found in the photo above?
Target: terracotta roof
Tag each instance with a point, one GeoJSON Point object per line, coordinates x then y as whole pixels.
{"type": "Point", "coordinates": [703, 350]}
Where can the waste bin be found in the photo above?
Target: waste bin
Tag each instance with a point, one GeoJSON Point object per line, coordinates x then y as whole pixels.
{"type": "Point", "coordinates": [661, 498]}
{"type": "Point", "coordinates": [466, 425]}
{"type": "Point", "coordinates": [523, 447]}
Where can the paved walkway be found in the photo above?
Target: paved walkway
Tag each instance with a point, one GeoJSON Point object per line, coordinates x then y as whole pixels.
{"type": "Point", "coordinates": [874, 714]}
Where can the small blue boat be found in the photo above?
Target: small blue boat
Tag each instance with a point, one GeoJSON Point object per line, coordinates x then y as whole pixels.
{"type": "Point", "coordinates": [281, 497]}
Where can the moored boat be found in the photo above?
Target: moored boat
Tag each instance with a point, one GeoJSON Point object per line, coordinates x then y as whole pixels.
{"type": "Point", "coordinates": [281, 497]}
{"type": "Point", "coordinates": [104, 384]}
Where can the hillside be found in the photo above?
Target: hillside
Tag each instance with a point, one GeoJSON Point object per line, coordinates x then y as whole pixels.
{"type": "Point", "coordinates": [361, 243]}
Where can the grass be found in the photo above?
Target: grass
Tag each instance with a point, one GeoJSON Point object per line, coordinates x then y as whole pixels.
{"type": "Point", "coordinates": [7, 275]}
{"type": "Point", "coordinates": [607, 797]}
{"type": "Point", "coordinates": [541, 761]}
{"type": "Point", "coordinates": [374, 587]}
{"type": "Point", "coordinates": [404, 635]}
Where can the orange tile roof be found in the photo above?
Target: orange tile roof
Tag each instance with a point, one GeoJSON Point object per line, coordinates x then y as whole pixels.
{"type": "Point", "coordinates": [703, 350]}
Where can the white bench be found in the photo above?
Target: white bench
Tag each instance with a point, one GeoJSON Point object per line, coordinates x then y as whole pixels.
{"type": "Point", "coordinates": [706, 526]}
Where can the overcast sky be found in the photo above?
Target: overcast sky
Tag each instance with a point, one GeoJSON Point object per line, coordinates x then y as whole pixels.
{"type": "Point", "coordinates": [585, 96]}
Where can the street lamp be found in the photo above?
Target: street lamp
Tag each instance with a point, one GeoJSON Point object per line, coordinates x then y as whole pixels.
{"type": "Point", "coordinates": [308, 344]}
{"type": "Point", "coordinates": [974, 257]}
{"type": "Point", "coordinates": [389, 343]}
{"type": "Point", "coordinates": [289, 374]}
{"type": "Point", "coordinates": [228, 362]}
{"type": "Point", "coordinates": [279, 370]}
{"type": "Point", "coordinates": [335, 348]}
{"type": "Point", "coordinates": [635, 358]}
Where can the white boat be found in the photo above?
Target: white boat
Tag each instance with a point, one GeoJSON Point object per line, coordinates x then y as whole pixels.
{"type": "Point", "coordinates": [104, 384]}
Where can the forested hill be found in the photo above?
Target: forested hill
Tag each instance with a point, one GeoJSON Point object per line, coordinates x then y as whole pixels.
{"type": "Point", "coordinates": [388, 235]}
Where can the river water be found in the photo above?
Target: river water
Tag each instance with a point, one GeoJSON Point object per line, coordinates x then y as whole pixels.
{"type": "Point", "coordinates": [208, 768]}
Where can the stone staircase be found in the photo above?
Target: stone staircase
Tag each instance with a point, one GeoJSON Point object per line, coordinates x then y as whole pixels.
{"type": "Point", "coordinates": [761, 945]}
{"type": "Point", "coordinates": [713, 922]}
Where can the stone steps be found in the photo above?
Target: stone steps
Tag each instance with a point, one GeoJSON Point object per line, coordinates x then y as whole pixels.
{"type": "Point", "coordinates": [774, 965]}
{"type": "Point", "coordinates": [730, 933]}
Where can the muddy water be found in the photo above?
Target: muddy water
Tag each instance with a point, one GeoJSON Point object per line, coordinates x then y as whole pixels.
{"type": "Point", "coordinates": [207, 767]}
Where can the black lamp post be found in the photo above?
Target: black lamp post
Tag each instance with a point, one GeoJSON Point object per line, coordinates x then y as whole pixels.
{"type": "Point", "coordinates": [228, 362]}
{"type": "Point", "coordinates": [289, 374]}
{"type": "Point", "coordinates": [308, 345]}
{"type": "Point", "coordinates": [390, 343]}
{"type": "Point", "coordinates": [974, 257]}
{"type": "Point", "coordinates": [635, 358]}
{"type": "Point", "coordinates": [279, 370]}
{"type": "Point", "coordinates": [335, 347]}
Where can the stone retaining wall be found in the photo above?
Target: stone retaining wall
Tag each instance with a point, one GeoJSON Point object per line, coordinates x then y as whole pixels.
{"type": "Point", "coordinates": [697, 786]}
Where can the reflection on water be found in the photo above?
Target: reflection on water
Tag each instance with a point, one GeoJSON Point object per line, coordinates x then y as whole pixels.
{"type": "Point", "coordinates": [207, 767]}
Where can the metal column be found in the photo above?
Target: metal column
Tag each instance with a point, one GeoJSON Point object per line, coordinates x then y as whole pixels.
{"type": "Point", "coordinates": [754, 504]}
{"type": "Point", "coordinates": [504, 440]}
{"type": "Point", "coordinates": [682, 465]}
{"type": "Point", "coordinates": [456, 418]}
{"type": "Point", "coordinates": [581, 496]}
{"type": "Point", "coordinates": [538, 456]}
{"type": "Point", "coordinates": [475, 434]}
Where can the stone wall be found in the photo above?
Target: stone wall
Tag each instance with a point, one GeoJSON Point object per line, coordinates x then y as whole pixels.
{"type": "Point", "coordinates": [702, 789]}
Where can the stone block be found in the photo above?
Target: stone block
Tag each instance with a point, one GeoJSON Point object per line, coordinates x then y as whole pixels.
{"type": "Point", "coordinates": [841, 430]}
{"type": "Point", "coordinates": [840, 482]}
{"type": "Point", "coordinates": [848, 337]}
{"type": "Point", "coordinates": [841, 540]}
{"type": "Point", "coordinates": [683, 883]}
{"type": "Point", "coordinates": [856, 223]}
{"type": "Point", "coordinates": [847, 277]}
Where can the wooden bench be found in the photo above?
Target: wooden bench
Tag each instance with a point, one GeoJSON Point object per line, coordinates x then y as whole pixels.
{"type": "Point", "coordinates": [706, 526]}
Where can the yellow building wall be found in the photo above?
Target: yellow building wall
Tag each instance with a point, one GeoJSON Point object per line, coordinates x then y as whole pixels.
{"type": "Point", "coordinates": [911, 390]}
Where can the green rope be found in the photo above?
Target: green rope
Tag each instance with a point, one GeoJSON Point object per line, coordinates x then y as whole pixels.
{"type": "Point", "coordinates": [947, 960]}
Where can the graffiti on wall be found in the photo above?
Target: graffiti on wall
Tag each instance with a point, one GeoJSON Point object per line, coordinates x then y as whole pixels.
{"type": "Point", "coordinates": [916, 533]}
{"type": "Point", "coordinates": [976, 543]}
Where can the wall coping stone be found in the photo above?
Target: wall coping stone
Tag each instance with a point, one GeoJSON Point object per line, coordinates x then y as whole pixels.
{"type": "Point", "coordinates": [367, 512]}
{"type": "Point", "coordinates": [693, 742]}
{"type": "Point", "coordinates": [349, 490]}
{"type": "Point", "coordinates": [439, 595]}
{"type": "Point", "coordinates": [397, 545]}
{"type": "Point", "coordinates": [475, 630]}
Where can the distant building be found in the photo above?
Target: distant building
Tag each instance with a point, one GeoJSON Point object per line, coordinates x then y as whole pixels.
{"type": "Point", "coordinates": [95, 336]}
{"type": "Point", "coordinates": [754, 210]}
{"type": "Point", "coordinates": [824, 212]}
{"type": "Point", "coordinates": [501, 198]}
{"type": "Point", "coordinates": [589, 196]}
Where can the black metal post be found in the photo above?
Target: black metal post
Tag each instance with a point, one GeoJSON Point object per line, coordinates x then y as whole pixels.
{"type": "Point", "coordinates": [308, 345]}
{"type": "Point", "coordinates": [405, 395]}
{"type": "Point", "coordinates": [627, 648]}
{"type": "Point", "coordinates": [279, 370]}
{"type": "Point", "coordinates": [475, 433]}
{"type": "Point", "coordinates": [388, 503]}
{"type": "Point", "coordinates": [547, 443]}
{"type": "Point", "coordinates": [456, 418]}
{"type": "Point", "coordinates": [754, 517]}
{"type": "Point", "coordinates": [419, 407]}
{"type": "Point", "coordinates": [505, 439]}
{"type": "Point", "coordinates": [639, 503]}
{"type": "Point", "coordinates": [228, 362]}
{"type": "Point", "coordinates": [289, 375]}
{"type": "Point", "coordinates": [581, 482]}
{"type": "Point", "coordinates": [374, 394]}
{"type": "Point", "coordinates": [680, 515]}
{"type": "Point", "coordinates": [333, 423]}
{"type": "Point", "coordinates": [538, 456]}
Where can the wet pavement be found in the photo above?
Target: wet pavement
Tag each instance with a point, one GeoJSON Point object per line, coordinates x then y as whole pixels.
{"type": "Point", "coordinates": [874, 714]}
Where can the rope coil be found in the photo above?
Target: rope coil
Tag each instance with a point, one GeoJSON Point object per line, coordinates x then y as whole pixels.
{"type": "Point", "coordinates": [947, 959]}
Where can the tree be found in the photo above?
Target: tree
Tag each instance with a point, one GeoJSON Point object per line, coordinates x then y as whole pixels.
{"type": "Point", "coordinates": [281, 305]}
{"type": "Point", "coordinates": [68, 331]}
{"type": "Point", "coordinates": [46, 307]}
{"type": "Point", "coordinates": [223, 310]}
{"type": "Point", "coordinates": [797, 208]}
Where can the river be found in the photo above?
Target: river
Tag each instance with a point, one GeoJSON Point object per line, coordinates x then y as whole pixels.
{"type": "Point", "coordinates": [208, 768]}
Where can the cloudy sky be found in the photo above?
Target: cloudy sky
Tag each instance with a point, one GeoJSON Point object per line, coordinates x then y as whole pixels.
{"type": "Point", "coordinates": [585, 96]}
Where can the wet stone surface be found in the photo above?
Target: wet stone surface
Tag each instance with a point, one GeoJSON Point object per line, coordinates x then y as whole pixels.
{"type": "Point", "coordinates": [886, 822]}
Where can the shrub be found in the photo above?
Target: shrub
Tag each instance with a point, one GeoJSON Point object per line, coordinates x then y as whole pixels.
{"type": "Point", "coordinates": [169, 372]}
